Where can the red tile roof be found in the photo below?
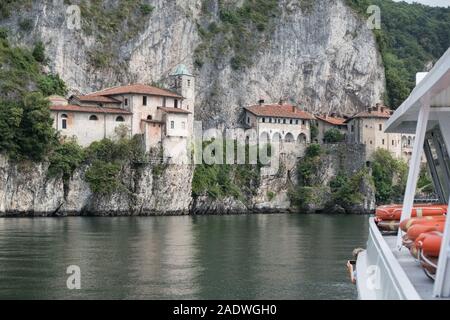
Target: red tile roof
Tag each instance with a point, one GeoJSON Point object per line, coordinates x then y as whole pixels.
{"type": "Point", "coordinates": [281, 111]}
{"type": "Point", "coordinates": [174, 110]}
{"type": "Point", "coordinates": [332, 120]}
{"type": "Point", "coordinates": [380, 112]}
{"type": "Point", "coordinates": [97, 98]}
{"type": "Point", "coordinates": [138, 89]}
{"type": "Point", "coordinates": [75, 108]}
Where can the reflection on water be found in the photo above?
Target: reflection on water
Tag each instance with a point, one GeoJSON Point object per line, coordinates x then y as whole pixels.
{"type": "Point", "coordinates": [208, 257]}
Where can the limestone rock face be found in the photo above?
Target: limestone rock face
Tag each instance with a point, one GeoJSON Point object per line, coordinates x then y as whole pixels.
{"type": "Point", "coordinates": [25, 190]}
{"type": "Point", "coordinates": [322, 57]}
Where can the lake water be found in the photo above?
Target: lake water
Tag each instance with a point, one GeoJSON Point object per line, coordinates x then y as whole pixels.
{"type": "Point", "coordinates": [191, 257]}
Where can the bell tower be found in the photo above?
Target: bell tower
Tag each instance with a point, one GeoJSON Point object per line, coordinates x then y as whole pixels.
{"type": "Point", "coordinates": [183, 82]}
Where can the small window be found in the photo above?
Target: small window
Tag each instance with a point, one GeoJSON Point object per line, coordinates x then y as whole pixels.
{"type": "Point", "coordinates": [120, 119]}
{"type": "Point", "coordinates": [149, 118]}
{"type": "Point", "coordinates": [279, 120]}
{"type": "Point", "coordinates": [296, 121]}
{"type": "Point", "coordinates": [175, 103]}
{"type": "Point", "coordinates": [370, 141]}
{"type": "Point", "coordinates": [248, 119]}
{"type": "Point", "coordinates": [64, 121]}
{"type": "Point", "coordinates": [172, 125]}
{"type": "Point", "coordinates": [380, 127]}
{"type": "Point", "coordinates": [93, 118]}
{"type": "Point", "coordinates": [263, 120]}
{"type": "Point", "coordinates": [144, 100]}
{"type": "Point", "coordinates": [189, 83]}
{"type": "Point", "coordinates": [303, 122]}
{"type": "Point", "coordinates": [126, 101]}
{"type": "Point", "coordinates": [291, 121]}
{"type": "Point", "coordinates": [183, 125]}
{"type": "Point", "coordinates": [284, 121]}
{"type": "Point", "coordinates": [393, 142]}
{"type": "Point", "coordinates": [382, 141]}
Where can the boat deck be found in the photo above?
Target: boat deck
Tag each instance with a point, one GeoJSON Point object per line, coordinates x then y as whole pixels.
{"type": "Point", "coordinates": [422, 284]}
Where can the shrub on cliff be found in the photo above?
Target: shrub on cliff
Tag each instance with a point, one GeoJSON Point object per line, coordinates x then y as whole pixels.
{"type": "Point", "coordinates": [309, 165]}
{"type": "Point", "coordinates": [225, 180]}
{"type": "Point", "coordinates": [345, 189]}
{"type": "Point", "coordinates": [107, 159]}
{"type": "Point", "coordinates": [64, 159]}
{"type": "Point", "coordinates": [333, 136]}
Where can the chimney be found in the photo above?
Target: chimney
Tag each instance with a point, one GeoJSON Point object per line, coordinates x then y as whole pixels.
{"type": "Point", "coordinates": [281, 102]}
{"type": "Point", "coordinates": [378, 107]}
{"type": "Point", "coordinates": [261, 101]}
{"type": "Point", "coordinates": [294, 109]}
{"type": "Point", "coordinates": [383, 109]}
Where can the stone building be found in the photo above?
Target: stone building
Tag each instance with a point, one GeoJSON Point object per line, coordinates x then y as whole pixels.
{"type": "Point", "coordinates": [279, 122]}
{"type": "Point", "coordinates": [163, 117]}
{"type": "Point", "coordinates": [367, 128]}
{"type": "Point", "coordinates": [326, 122]}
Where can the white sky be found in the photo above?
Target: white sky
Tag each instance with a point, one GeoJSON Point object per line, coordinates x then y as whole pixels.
{"type": "Point", "coordinates": [437, 3]}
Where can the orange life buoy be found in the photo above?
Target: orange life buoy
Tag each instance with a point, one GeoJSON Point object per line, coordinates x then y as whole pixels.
{"type": "Point", "coordinates": [407, 223]}
{"type": "Point", "coordinates": [394, 212]}
{"type": "Point", "coordinates": [430, 243]}
{"type": "Point", "coordinates": [416, 230]}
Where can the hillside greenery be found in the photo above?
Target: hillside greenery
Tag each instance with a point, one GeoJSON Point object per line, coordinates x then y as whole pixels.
{"type": "Point", "coordinates": [411, 38]}
{"type": "Point", "coordinates": [25, 123]}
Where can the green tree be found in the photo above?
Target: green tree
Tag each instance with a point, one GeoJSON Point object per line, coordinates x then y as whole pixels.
{"type": "Point", "coordinates": [52, 84]}
{"type": "Point", "coordinates": [333, 136]}
{"type": "Point", "coordinates": [389, 175]}
{"type": "Point", "coordinates": [65, 158]}
{"type": "Point", "coordinates": [35, 135]}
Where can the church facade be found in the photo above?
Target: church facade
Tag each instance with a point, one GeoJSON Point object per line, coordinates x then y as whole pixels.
{"type": "Point", "coordinates": [163, 117]}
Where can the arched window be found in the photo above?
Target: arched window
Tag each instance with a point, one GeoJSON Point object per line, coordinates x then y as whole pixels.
{"type": "Point", "coordinates": [120, 119]}
{"type": "Point", "coordinates": [64, 121]}
{"type": "Point", "coordinates": [289, 137]}
{"type": "Point", "coordinates": [93, 118]}
{"type": "Point", "coordinates": [301, 139]}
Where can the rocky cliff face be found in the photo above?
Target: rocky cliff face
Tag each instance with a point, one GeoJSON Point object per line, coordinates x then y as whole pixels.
{"type": "Point", "coordinates": [25, 189]}
{"type": "Point", "coordinates": [317, 54]}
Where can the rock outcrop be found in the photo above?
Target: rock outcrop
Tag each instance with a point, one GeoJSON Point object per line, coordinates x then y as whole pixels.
{"type": "Point", "coordinates": [25, 190]}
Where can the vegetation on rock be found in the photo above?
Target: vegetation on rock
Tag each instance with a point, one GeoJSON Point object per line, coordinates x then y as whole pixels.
{"type": "Point", "coordinates": [25, 124]}
{"type": "Point", "coordinates": [412, 36]}
{"type": "Point", "coordinates": [239, 30]}
{"type": "Point", "coordinates": [225, 180]}
{"type": "Point", "coordinates": [333, 136]}
{"type": "Point", "coordinates": [390, 175]}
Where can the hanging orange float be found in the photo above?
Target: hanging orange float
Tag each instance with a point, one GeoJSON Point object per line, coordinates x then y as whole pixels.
{"type": "Point", "coordinates": [394, 212]}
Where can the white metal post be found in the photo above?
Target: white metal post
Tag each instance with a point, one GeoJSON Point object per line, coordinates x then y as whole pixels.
{"type": "Point", "coordinates": [442, 282]}
{"type": "Point", "coordinates": [414, 169]}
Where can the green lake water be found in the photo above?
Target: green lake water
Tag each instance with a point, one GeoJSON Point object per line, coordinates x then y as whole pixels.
{"type": "Point", "coordinates": [190, 257]}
